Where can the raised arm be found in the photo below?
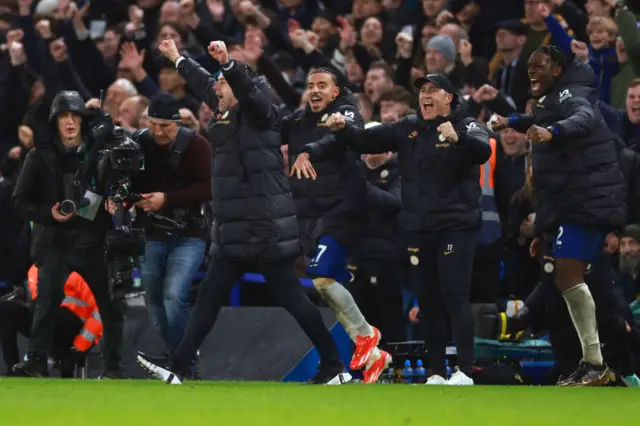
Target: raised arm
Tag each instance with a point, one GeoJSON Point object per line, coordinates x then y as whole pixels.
{"type": "Point", "coordinates": [475, 139]}
{"type": "Point", "coordinates": [251, 93]}
{"type": "Point", "coordinates": [521, 122]}
{"type": "Point", "coordinates": [375, 140]}
{"type": "Point", "coordinates": [198, 79]}
{"type": "Point", "coordinates": [558, 33]}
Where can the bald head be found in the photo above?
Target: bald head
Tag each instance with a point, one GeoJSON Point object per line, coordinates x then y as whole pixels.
{"type": "Point", "coordinates": [455, 31]}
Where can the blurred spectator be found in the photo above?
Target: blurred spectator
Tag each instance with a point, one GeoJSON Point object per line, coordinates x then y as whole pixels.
{"type": "Point", "coordinates": [628, 282]}
{"type": "Point", "coordinates": [507, 70]}
{"type": "Point", "coordinates": [628, 51]}
{"type": "Point", "coordinates": [626, 122]}
{"type": "Point", "coordinates": [130, 111]}
{"type": "Point", "coordinates": [488, 13]}
{"type": "Point", "coordinates": [600, 52]}
{"type": "Point", "coordinates": [379, 77]}
{"type": "Point", "coordinates": [365, 107]}
{"type": "Point", "coordinates": [538, 33]}
{"type": "Point", "coordinates": [169, 80]}
{"type": "Point", "coordinates": [395, 102]}
{"type": "Point", "coordinates": [117, 93]}
{"type": "Point", "coordinates": [204, 114]}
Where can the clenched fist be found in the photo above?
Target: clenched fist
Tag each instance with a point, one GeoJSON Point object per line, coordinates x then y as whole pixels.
{"type": "Point", "coordinates": [169, 50]}
{"type": "Point", "coordinates": [497, 123]}
{"type": "Point", "coordinates": [336, 122]}
{"type": "Point", "coordinates": [539, 134]}
{"type": "Point", "coordinates": [447, 132]}
{"type": "Point", "coordinates": [218, 51]}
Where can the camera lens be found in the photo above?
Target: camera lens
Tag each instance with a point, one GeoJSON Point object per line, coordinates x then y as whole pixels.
{"type": "Point", "coordinates": [67, 207]}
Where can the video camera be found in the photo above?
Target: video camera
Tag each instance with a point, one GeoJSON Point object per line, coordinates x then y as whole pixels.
{"type": "Point", "coordinates": [125, 244]}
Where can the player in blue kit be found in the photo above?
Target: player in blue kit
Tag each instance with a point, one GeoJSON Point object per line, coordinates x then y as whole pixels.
{"type": "Point", "coordinates": [579, 185]}
{"type": "Point", "coordinates": [329, 207]}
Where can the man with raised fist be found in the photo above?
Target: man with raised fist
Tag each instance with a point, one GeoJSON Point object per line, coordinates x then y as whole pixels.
{"type": "Point", "coordinates": [255, 220]}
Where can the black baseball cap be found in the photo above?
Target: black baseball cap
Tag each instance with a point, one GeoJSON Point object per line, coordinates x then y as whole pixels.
{"type": "Point", "coordinates": [512, 25]}
{"type": "Point", "coordinates": [165, 107]}
{"type": "Point", "coordinates": [440, 80]}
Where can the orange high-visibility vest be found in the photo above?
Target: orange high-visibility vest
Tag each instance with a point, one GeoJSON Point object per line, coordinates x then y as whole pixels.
{"type": "Point", "coordinates": [79, 300]}
{"type": "Point", "coordinates": [491, 229]}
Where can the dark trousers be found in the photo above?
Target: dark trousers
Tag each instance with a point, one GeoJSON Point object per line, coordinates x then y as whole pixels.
{"type": "Point", "coordinates": [52, 275]}
{"type": "Point", "coordinates": [611, 314]}
{"type": "Point", "coordinates": [16, 318]}
{"type": "Point", "coordinates": [485, 278]}
{"type": "Point", "coordinates": [377, 290]}
{"type": "Point", "coordinates": [441, 274]}
{"type": "Point", "coordinates": [287, 292]}
{"type": "Point", "coordinates": [521, 271]}
{"type": "Point", "coordinates": [21, 259]}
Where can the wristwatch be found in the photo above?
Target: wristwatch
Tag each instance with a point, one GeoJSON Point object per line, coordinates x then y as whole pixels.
{"type": "Point", "coordinates": [553, 130]}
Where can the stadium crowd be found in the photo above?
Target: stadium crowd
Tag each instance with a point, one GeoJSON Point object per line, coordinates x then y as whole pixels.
{"type": "Point", "coordinates": [150, 56]}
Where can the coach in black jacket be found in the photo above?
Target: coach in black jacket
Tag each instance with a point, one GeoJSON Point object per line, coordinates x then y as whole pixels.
{"type": "Point", "coordinates": [255, 222]}
{"type": "Point", "coordinates": [379, 268]}
{"type": "Point", "coordinates": [579, 185]}
{"type": "Point", "coordinates": [440, 150]}
{"type": "Point", "coordinates": [53, 171]}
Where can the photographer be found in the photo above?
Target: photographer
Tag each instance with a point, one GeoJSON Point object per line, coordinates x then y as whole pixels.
{"type": "Point", "coordinates": [175, 184]}
{"type": "Point", "coordinates": [68, 235]}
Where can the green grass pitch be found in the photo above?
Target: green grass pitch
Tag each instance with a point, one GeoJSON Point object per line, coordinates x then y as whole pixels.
{"type": "Point", "coordinates": [27, 402]}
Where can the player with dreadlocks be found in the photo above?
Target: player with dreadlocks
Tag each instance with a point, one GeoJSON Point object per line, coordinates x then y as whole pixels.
{"type": "Point", "coordinates": [580, 190]}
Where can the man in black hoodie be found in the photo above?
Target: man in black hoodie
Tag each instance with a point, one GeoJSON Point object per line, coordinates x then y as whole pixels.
{"type": "Point", "coordinates": [255, 220]}
{"type": "Point", "coordinates": [579, 185]}
{"type": "Point", "coordinates": [329, 209]}
{"type": "Point", "coordinates": [59, 170]}
{"type": "Point", "coordinates": [440, 151]}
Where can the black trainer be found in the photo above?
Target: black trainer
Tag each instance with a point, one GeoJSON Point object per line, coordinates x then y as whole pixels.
{"type": "Point", "coordinates": [160, 368]}
{"type": "Point", "coordinates": [34, 366]}
{"type": "Point", "coordinates": [588, 375]}
{"type": "Point", "coordinates": [330, 375]}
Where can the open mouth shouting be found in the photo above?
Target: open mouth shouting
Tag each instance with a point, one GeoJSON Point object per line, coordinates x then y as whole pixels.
{"type": "Point", "coordinates": [316, 101]}
{"type": "Point", "coordinates": [428, 108]}
{"type": "Point", "coordinates": [536, 87]}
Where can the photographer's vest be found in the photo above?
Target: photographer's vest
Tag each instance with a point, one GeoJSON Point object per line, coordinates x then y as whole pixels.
{"type": "Point", "coordinates": [491, 229]}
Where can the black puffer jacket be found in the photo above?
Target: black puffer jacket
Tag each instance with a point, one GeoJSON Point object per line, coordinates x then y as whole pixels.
{"type": "Point", "coordinates": [440, 180]}
{"type": "Point", "coordinates": [41, 185]}
{"type": "Point", "coordinates": [331, 204]}
{"type": "Point", "coordinates": [383, 201]}
{"type": "Point", "coordinates": [254, 210]}
{"type": "Point", "coordinates": [576, 175]}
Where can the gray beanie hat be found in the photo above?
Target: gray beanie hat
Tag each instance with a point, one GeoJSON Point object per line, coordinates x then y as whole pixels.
{"type": "Point", "coordinates": [444, 45]}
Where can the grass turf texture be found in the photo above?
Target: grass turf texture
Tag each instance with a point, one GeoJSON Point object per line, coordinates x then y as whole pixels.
{"type": "Point", "coordinates": [27, 402]}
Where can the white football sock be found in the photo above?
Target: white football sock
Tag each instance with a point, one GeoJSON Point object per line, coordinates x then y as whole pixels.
{"type": "Point", "coordinates": [582, 309]}
{"type": "Point", "coordinates": [346, 310]}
